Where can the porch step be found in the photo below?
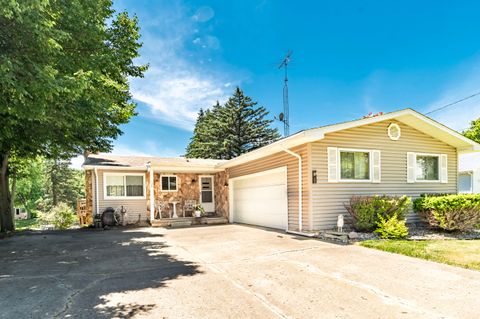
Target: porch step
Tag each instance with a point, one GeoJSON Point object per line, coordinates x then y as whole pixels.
{"type": "Point", "coordinates": [188, 221]}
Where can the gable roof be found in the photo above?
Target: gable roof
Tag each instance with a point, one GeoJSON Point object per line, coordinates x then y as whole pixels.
{"type": "Point", "coordinates": [407, 116]}
{"type": "Point", "coordinates": [140, 162]}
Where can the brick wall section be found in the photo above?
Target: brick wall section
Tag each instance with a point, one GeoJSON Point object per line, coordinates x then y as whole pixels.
{"type": "Point", "coordinates": [221, 194]}
{"type": "Point", "coordinates": [188, 189]}
{"type": "Point", "coordinates": [89, 196]}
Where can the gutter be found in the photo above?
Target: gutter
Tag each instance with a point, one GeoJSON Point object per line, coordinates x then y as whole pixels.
{"type": "Point", "coordinates": [151, 192]}
{"type": "Point", "coordinates": [300, 191]}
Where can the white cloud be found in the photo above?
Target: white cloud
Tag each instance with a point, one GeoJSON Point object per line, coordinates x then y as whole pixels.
{"type": "Point", "coordinates": [76, 162]}
{"type": "Point", "coordinates": [182, 77]}
{"type": "Point", "coordinates": [464, 84]}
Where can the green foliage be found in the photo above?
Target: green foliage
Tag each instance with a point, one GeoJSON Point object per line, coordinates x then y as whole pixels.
{"type": "Point", "coordinates": [391, 227]}
{"type": "Point", "coordinates": [450, 212]}
{"type": "Point", "coordinates": [227, 131]}
{"type": "Point", "coordinates": [65, 68]}
{"type": "Point", "coordinates": [61, 216]}
{"type": "Point", "coordinates": [42, 183]}
{"type": "Point", "coordinates": [23, 224]}
{"type": "Point", "coordinates": [473, 132]}
{"type": "Point", "coordinates": [366, 211]}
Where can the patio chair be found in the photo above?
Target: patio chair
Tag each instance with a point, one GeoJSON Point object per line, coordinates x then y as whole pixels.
{"type": "Point", "coordinates": [160, 206]}
{"type": "Point", "coordinates": [189, 206]}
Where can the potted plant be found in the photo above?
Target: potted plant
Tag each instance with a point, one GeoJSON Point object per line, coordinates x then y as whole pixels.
{"type": "Point", "coordinates": [199, 211]}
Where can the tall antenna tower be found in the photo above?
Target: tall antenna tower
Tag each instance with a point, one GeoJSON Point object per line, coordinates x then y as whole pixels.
{"type": "Point", "coordinates": [285, 116]}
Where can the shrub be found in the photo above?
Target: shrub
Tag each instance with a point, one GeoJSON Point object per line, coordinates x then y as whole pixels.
{"type": "Point", "coordinates": [450, 212]}
{"type": "Point", "coordinates": [61, 216]}
{"type": "Point", "coordinates": [366, 210]}
{"type": "Point", "coordinates": [391, 228]}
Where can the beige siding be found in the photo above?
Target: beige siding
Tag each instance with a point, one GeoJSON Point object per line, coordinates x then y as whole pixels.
{"type": "Point", "coordinates": [136, 208]}
{"type": "Point", "coordinates": [279, 160]}
{"type": "Point", "coordinates": [328, 198]}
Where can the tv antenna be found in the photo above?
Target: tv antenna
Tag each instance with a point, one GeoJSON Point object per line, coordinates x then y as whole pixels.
{"type": "Point", "coordinates": [285, 117]}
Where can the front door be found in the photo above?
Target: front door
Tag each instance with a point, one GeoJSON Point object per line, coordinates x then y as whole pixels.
{"type": "Point", "coordinates": [206, 194]}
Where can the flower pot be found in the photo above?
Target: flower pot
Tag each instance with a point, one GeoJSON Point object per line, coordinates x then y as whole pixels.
{"type": "Point", "coordinates": [198, 213]}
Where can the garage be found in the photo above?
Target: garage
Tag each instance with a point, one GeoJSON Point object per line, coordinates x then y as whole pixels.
{"type": "Point", "coordinates": [260, 199]}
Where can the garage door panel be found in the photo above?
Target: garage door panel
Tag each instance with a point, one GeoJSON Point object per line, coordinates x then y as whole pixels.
{"type": "Point", "coordinates": [261, 200]}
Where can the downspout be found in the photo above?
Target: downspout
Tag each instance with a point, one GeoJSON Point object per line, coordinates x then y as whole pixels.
{"type": "Point", "coordinates": [96, 192]}
{"type": "Point", "coordinates": [152, 207]}
{"type": "Point", "coordinates": [300, 192]}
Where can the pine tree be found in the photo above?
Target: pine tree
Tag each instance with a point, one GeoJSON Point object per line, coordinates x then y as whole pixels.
{"type": "Point", "coordinates": [227, 131]}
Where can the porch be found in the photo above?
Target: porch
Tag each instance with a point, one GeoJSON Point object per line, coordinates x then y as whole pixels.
{"type": "Point", "coordinates": [188, 221]}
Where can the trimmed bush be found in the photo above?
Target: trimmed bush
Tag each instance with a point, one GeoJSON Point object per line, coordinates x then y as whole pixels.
{"type": "Point", "coordinates": [449, 212]}
{"type": "Point", "coordinates": [367, 210]}
{"type": "Point", "coordinates": [391, 228]}
{"type": "Point", "coordinates": [61, 216]}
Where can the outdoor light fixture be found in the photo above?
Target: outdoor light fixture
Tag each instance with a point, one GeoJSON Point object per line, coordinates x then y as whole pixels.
{"type": "Point", "coordinates": [314, 176]}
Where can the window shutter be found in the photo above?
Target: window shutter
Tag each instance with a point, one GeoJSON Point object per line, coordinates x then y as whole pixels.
{"type": "Point", "coordinates": [376, 167]}
{"type": "Point", "coordinates": [410, 167]}
{"type": "Point", "coordinates": [332, 164]}
{"type": "Point", "coordinates": [443, 168]}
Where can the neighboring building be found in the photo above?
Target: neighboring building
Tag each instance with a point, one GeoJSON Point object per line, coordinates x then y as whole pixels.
{"type": "Point", "coordinates": [20, 213]}
{"type": "Point", "coordinates": [399, 153]}
{"type": "Point", "coordinates": [469, 173]}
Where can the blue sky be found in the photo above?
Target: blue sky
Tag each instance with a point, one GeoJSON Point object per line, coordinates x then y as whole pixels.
{"type": "Point", "coordinates": [349, 58]}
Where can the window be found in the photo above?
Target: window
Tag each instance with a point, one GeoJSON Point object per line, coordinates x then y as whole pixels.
{"type": "Point", "coordinates": [124, 185]}
{"type": "Point", "coordinates": [465, 183]}
{"type": "Point", "coordinates": [427, 168]}
{"type": "Point", "coordinates": [169, 183]}
{"type": "Point", "coordinates": [354, 165]}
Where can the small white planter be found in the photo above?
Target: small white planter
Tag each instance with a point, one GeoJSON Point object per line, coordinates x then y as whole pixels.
{"type": "Point", "coordinates": [198, 213]}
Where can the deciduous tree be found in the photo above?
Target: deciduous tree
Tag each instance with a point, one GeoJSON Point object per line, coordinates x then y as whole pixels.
{"type": "Point", "coordinates": [64, 69]}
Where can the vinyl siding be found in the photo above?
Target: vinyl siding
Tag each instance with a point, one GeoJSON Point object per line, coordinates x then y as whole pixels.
{"type": "Point", "coordinates": [282, 159]}
{"type": "Point", "coordinates": [136, 208]}
{"type": "Point", "coordinates": [328, 199]}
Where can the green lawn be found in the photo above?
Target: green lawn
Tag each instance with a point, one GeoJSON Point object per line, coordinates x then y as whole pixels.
{"type": "Point", "coordinates": [26, 224]}
{"type": "Point", "coordinates": [463, 253]}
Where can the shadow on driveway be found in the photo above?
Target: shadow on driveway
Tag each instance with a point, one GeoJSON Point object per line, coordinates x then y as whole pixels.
{"type": "Point", "coordinates": [71, 273]}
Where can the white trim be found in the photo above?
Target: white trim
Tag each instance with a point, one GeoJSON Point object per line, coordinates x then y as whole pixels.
{"type": "Point", "coordinates": [379, 166]}
{"type": "Point", "coordinates": [470, 174]}
{"type": "Point", "coordinates": [200, 190]}
{"type": "Point", "coordinates": [332, 164]}
{"type": "Point", "coordinates": [177, 181]}
{"type": "Point", "coordinates": [439, 168]}
{"type": "Point", "coordinates": [339, 168]}
{"type": "Point", "coordinates": [152, 193]}
{"type": "Point", "coordinates": [187, 169]}
{"type": "Point", "coordinates": [105, 197]}
{"type": "Point", "coordinates": [231, 189]}
{"type": "Point", "coordinates": [395, 125]}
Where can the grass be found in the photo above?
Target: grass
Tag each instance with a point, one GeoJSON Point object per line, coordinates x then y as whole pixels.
{"type": "Point", "coordinates": [24, 224]}
{"type": "Point", "coordinates": [462, 253]}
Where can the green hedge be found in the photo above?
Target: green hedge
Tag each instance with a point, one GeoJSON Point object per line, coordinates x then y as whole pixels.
{"type": "Point", "coordinates": [368, 211]}
{"type": "Point", "coordinates": [449, 212]}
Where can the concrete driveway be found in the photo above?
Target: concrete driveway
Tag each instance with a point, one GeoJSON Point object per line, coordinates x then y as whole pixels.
{"type": "Point", "coordinates": [229, 271]}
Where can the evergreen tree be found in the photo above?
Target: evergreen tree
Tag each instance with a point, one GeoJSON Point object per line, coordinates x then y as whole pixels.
{"type": "Point", "coordinates": [227, 131]}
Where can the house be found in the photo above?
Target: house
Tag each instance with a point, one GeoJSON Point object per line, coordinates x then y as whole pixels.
{"type": "Point", "coordinates": [298, 183]}
{"type": "Point", "coordinates": [469, 173]}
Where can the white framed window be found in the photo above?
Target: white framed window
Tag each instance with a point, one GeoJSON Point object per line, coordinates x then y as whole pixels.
{"type": "Point", "coordinates": [169, 183]}
{"type": "Point", "coordinates": [124, 185]}
{"type": "Point", "coordinates": [426, 168]}
{"type": "Point", "coordinates": [353, 165]}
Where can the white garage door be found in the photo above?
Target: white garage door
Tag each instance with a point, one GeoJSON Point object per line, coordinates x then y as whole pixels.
{"type": "Point", "coordinates": [261, 199]}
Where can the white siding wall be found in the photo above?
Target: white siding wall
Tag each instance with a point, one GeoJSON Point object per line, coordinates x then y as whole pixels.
{"type": "Point", "coordinates": [328, 199]}
{"type": "Point", "coordinates": [136, 208]}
